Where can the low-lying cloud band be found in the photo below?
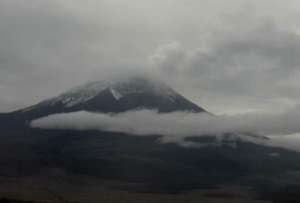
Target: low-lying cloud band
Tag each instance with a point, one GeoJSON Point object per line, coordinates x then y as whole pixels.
{"type": "Point", "coordinates": [174, 126]}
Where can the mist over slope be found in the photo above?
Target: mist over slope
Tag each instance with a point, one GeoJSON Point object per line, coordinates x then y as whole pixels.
{"type": "Point", "coordinates": [142, 105]}
{"type": "Point", "coordinates": [177, 126]}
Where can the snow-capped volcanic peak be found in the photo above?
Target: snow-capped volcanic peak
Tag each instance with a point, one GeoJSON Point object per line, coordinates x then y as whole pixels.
{"type": "Point", "coordinates": [118, 89]}
{"type": "Point", "coordinates": [114, 96]}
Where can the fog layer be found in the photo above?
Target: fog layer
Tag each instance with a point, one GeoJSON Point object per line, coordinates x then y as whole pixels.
{"type": "Point", "coordinates": [176, 126]}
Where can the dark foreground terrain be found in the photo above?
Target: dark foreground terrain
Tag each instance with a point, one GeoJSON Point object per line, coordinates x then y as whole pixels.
{"type": "Point", "coordinates": [89, 166]}
{"type": "Point", "coordinates": [62, 188]}
{"type": "Point", "coordinates": [84, 189]}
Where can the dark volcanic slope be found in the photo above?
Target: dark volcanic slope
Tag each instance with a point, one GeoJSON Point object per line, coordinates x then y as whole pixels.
{"type": "Point", "coordinates": [109, 97]}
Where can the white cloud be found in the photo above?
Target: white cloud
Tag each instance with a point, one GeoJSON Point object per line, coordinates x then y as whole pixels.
{"type": "Point", "coordinates": [291, 141]}
{"type": "Point", "coordinates": [175, 127]}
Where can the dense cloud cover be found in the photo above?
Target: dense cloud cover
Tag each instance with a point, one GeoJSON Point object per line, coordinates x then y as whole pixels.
{"type": "Point", "coordinates": [228, 56]}
{"type": "Point", "coordinates": [175, 127]}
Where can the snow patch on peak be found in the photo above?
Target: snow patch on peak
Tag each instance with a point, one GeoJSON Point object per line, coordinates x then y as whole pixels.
{"type": "Point", "coordinates": [117, 95]}
{"type": "Point", "coordinates": [79, 94]}
{"type": "Point", "coordinates": [118, 88]}
{"type": "Point", "coordinates": [139, 85]}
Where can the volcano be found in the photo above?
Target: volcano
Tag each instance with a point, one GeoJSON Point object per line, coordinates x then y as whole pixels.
{"type": "Point", "coordinates": [154, 166]}
{"type": "Point", "coordinates": [116, 96]}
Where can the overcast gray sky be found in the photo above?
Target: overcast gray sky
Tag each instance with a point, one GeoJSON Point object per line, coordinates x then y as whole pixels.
{"type": "Point", "coordinates": [228, 56]}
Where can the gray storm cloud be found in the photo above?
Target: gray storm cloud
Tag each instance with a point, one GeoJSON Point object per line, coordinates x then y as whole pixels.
{"type": "Point", "coordinates": [228, 56]}
{"type": "Point", "coordinates": [176, 126]}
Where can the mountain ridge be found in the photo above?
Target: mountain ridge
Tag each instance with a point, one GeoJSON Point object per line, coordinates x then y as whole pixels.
{"type": "Point", "coordinates": [107, 96]}
{"type": "Point", "coordinates": [159, 167]}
